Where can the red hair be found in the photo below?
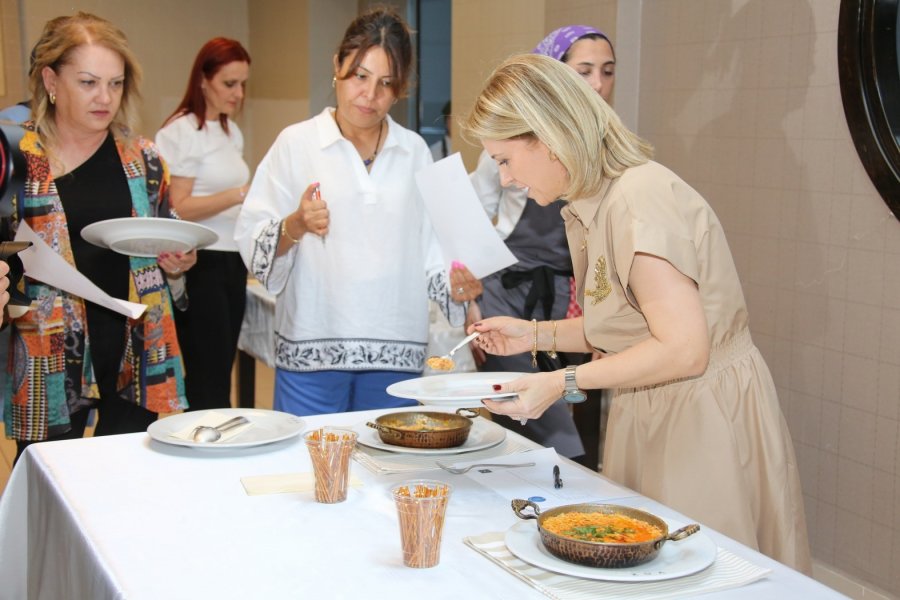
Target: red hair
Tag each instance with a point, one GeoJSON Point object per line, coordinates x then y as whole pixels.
{"type": "Point", "coordinates": [215, 54]}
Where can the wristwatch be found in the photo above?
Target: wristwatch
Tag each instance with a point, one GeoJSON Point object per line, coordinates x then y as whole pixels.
{"type": "Point", "coordinates": [573, 394]}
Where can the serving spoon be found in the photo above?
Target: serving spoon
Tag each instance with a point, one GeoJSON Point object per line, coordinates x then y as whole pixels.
{"type": "Point", "coordinates": [205, 433]}
{"type": "Point", "coordinates": [445, 362]}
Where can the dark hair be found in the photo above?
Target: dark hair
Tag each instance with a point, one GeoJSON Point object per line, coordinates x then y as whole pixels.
{"type": "Point", "coordinates": [380, 26]}
{"type": "Point", "coordinates": [215, 54]}
{"type": "Point", "coordinates": [588, 36]}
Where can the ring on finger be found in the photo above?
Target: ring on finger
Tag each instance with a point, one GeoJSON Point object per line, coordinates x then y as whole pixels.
{"type": "Point", "coordinates": [522, 420]}
{"type": "Point", "coordinates": [460, 290]}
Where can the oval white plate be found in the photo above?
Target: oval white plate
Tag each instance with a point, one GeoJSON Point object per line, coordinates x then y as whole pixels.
{"type": "Point", "coordinates": [148, 236]}
{"type": "Point", "coordinates": [483, 434]}
{"type": "Point", "coordinates": [266, 427]}
{"type": "Point", "coordinates": [454, 390]}
{"type": "Point", "coordinates": [675, 559]}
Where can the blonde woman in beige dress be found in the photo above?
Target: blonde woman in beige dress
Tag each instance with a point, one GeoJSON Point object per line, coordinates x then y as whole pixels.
{"type": "Point", "coordinates": [695, 421]}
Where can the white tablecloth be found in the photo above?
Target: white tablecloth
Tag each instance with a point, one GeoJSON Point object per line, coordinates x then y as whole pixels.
{"type": "Point", "coordinates": [128, 517]}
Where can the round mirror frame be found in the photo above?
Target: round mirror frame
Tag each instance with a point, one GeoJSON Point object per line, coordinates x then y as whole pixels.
{"type": "Point", "coordinates": [870, 89]}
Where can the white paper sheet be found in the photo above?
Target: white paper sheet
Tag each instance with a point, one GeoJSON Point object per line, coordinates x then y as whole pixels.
{"type": "Point", "coordinates": [526, 482]}
{"type": "Point", "coordinates": [43, 264]}
{"type": "Point", "coordinates": [460, 223]}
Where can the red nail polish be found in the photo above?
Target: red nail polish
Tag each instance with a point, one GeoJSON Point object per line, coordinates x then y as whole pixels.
{"type": "Point", "coordinates": [497, 387]}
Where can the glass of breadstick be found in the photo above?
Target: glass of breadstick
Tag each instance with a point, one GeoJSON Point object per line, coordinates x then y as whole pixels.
{"type": "Point", "coordinates": [329, 450]}
{"type": "Point", "coordinates": [421, 506]}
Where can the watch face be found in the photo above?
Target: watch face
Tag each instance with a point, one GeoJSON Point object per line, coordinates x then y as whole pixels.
{"type": "Point", "coordinates": [574, 396]}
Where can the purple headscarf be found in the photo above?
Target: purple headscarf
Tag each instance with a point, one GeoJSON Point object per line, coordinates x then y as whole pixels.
{"type": "Point", "coordinates": [558, 42]}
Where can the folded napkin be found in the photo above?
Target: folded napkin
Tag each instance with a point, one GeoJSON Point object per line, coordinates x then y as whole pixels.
{"type": "Point", "coordinates": [212, 419]}
{"type": "Point", "coordinates": [383, 462]}
{"type": "Point", "coordinates": [728, 571]}
{"type": "Point", "coordinates": [257, 485]}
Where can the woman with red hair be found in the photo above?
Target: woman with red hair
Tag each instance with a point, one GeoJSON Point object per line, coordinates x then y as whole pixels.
{"type": "Point", "coordinates": [203, 148]}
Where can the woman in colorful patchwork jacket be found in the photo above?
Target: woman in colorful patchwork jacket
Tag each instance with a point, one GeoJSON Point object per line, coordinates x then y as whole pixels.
{"type": "Point", "coordinates": [68, 355]}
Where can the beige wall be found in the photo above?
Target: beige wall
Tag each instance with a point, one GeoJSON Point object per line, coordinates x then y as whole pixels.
{"type": "Point", "coordinates": [165, 46]}
{"type": "Point", "coordinates": [14, 89]}
{"type": "Point", "coordinates": [484, 34]}
{"type": "Point", "coordinates": [742, 99]}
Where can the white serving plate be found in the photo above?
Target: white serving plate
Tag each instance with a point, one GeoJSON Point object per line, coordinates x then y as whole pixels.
{"type": "Point", "coordinates": [454, 390]}
{"type": "Point", "coordinates": [675, 559]}
{"type": "Point", "coordinates": [148, 236]}
{"type": "Point", "coordinates": [483, 434]}
{"type": "Point", "coordinates": [266, 427]}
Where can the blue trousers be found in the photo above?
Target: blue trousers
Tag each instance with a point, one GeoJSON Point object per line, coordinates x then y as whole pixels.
{"type": "Point", "coordinates": [324, 392]}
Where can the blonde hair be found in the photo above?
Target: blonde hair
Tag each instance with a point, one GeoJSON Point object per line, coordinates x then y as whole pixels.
{"type": "Point", "coordinates": [60, 38]}
{"type": "Point", "coordinates": [531, 96]}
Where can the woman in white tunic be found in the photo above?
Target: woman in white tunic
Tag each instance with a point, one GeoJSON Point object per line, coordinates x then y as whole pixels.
{"type": "Point", "coordinates": [695, 421]}
{"type": "Point", "coordinates": [334, 226]}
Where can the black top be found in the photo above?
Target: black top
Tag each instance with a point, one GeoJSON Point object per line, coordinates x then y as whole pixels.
{"type": "Point", "coordinates": [95, 191]}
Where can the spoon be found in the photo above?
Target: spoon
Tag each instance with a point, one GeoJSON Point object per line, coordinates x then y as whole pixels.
{"type": "Point", "coordinates": [205, 433]}
{"type": "Point", "coordinates": [445, 362]}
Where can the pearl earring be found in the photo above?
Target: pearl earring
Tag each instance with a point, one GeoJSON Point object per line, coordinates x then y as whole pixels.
{"type": "Point", "coordinates": [334, 81]}
{"type": "Point", "coordinates": [52, 98]}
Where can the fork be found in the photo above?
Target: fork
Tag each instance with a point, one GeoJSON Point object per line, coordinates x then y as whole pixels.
{"type": "Point", "coordinates": [460, 470]}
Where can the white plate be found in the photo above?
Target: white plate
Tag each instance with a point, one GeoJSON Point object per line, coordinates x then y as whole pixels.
{"type": "Point", "coordinates": [454, 390]}
{"type": "Point", "coordinates": [483, 434]}
{"type": "Point", "coordinates": [675, 559]}
{"type": "Point", "coordinates": [148, 236]}
{"type": "Point", "coordinates": [267, 426]}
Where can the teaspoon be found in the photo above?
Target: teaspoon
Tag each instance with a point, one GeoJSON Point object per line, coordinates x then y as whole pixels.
{"type": "Point", "coordinates": [205, 433]}
{"type": "Point", "coordinates": [445, 362]}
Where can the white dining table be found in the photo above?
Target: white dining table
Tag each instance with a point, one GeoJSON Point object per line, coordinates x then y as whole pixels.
{"type": "Point", "coordinates": [127, 516]}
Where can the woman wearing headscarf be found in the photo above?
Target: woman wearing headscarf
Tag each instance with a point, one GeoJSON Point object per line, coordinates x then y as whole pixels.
{"type": "Point", "coordinates": [539, 284]}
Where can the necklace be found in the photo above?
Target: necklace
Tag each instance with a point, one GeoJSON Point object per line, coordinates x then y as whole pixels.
{"type": "Point", "coordinates": [366, 161]}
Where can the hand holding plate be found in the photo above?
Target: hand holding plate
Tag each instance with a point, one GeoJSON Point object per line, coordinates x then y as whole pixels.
{"type": "Point", "coordinates": [536, 392]}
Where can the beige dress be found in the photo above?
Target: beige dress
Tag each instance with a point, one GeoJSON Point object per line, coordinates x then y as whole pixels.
{"type": "Point", "coordinates": [715, 447]}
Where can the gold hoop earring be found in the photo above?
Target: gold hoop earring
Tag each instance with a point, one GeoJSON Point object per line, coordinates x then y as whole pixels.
{"type": "Point", "coordinates": [334, 81]}
{"type": "Point", "coordinates": [52, 98]}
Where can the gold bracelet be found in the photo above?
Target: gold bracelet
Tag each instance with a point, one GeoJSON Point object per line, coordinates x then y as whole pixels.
{"type": "Point", "coordinates": [552, 353]}
{"type": "Point", "coordinates": [534, 346]}
{"type": "Point", "coordinates": [284, 232]}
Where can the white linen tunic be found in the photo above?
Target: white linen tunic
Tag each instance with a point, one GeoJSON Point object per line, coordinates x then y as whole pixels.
{"type": "Point", "coordinates": [357, 299]}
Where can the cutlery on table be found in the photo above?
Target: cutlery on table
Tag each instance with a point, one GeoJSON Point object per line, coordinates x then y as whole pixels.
{"type": "Point", "coordinates": [205, 433]}
{"type": "Point", "coordinates": [460, 470]}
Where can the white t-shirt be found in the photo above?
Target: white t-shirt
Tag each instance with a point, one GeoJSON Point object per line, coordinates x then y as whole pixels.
{"type": "Point", "coordinates": [359, 299]}
{"type": "Point", "coordinates": [213, 159]}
